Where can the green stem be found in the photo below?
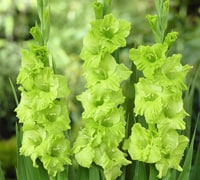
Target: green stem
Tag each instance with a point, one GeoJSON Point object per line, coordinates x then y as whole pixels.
{"type": "Point", "coordinates": [129, 102]}
{"type": "Point", "coordinates": [130, 118]}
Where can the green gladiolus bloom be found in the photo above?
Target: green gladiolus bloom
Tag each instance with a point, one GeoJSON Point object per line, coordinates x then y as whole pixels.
{"type": "Point", "coordinates": [173, 72]}
{"type": "Point", "coordinates": [111, 32]}
{"type": "Point", "coordinates": [149, 58]}
{"type": "Point", "coordinates": [173, 146]}
{"type": "Point", "coordinates": [93, 51]}
{"type": "Point", "coordinates": [148, 100]}
{"type": "Point", "coordinates": [111, 159]}
{"type": "Point", "coordinates": [56, 155]}
{"type": "Point", "coordinates": [107, 74]}
{"type": "Point", "coordinates": [98, 102]}
{"type": "Point", "coordinates": [143, 145]}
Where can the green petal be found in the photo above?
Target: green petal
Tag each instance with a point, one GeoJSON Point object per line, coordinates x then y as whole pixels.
{"type": "Point", "coordinates": [84, 152]}
{"type": "Point", "coordinates": [92, 51]}
{"type": "Point", "coordinates": [32, 143]}
{"type": "Point", "coordinates": [175, 122]}
{"type": "Point", "coordinates": [30, 62]}
{"type": "Point", "coordinates": [25, 78]}
{"type": "Point", "coordinates": [174, 73]}
{"type": "Point", "coordinates": [148, 99]}
{"type": "Point", "coordinates": [173, 146]}
{"type": "Point", "coordinates": [111, 159]}
{"type": "Point", "coordinates": [37, 99]}
{"type": "Point", "coordinates": [41, 54]}
{"type": "Point", "coordinates": [85, 156]}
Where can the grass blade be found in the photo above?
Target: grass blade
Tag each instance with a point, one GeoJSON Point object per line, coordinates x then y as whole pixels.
{"type": "Point", "coordinates": [14, 91]}
{"type": "Point", "coordinates": [195, 171]}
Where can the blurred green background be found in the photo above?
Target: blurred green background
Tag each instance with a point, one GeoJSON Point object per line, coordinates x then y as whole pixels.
{"type": "Point", "coordinates": [69, 22]}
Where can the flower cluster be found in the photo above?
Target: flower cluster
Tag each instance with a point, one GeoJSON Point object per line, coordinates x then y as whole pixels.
{"type": "Point", "coordinates": [103, 114]}
{"type": "Point", "coordinates": [42, 111]}
{"type": "Point", "coordinates": [158, 97]}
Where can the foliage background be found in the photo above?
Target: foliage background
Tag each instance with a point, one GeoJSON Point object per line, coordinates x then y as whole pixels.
{"type": "Point", "coordinates": [69, 23]}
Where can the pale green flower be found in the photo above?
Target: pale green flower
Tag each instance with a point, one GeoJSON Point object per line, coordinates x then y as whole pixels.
{"type": "Point", "coordinates": [143, 144]}
{"type": "Point", "coordinates": [173, 146]}
{"type": "Point", "coordinates": [30, 61]}
{"type": "Point", "coordinates": [148, 58]}
{"type": "Point", "coordinates": [98, 102]}
{"type": "Point", "coordinates": [57, 154]}
{"type": "Point", "coordinates": [93, 51]}
{"type": "Point", "coordinates": [172, 72]}
{"type": "Point", "coordinates": [110, 129]}
{"type": "Point", "coordinates": [33, 143]}
{"type": "Point", "coordinates": [148, 99]}
{"type": "Point", "coordinates": [82, 148]}
{"type": "Point", "coordinates": [111, 159]}
{"type": "Point", "coordinates": [108, 74]}
{"type": "Point", "coordinates": [111, 32]}
{"type": "Point", "coordinates": [52, 150]}
{"type": "Point", "coordinates": [173, 113]}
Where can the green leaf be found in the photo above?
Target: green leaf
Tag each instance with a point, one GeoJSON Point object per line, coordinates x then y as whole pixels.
{"type": "Point", "coordinates": [142, 171]}
{"type": "Point", "coordinates": [195, 173]}
{"type": "Point", "coordinates": [63, 175]}
{"type": "Point", "coordinates": [153, 21]}
{"type": "Point", "coordinates": [82, 173]}
{"type": "Point", "coordinates": [46, 26]}
{"type": "Point", "coordinates": [94, 172]}
{"type": "Point", "coordinates": [153, 173]}
{"type": "Point", "coordinates": [14, 92]}
{"type": "Point", "coordinates": [185, 174]}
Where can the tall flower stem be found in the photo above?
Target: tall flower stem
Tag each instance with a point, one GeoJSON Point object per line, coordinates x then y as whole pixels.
{"type": "Point", "coordinates": [43, 106]}
{"type": "Point", "coordinates": [158, 99]}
